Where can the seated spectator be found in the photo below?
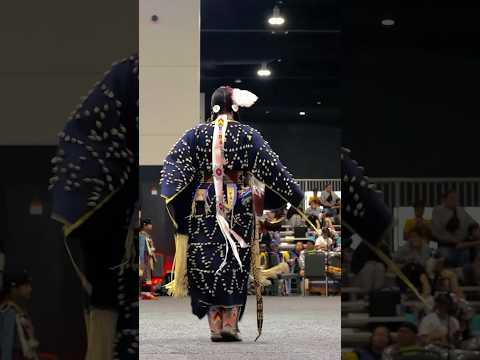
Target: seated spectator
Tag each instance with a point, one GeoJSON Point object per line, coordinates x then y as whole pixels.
{"type": "Point", "coordinates": [417, 275]}
{"type": "Point", "coordinates": [324, 241]}
{"type": "Point", "coordinates": [315, 198]}
{"type": "Point", "coordinates": [294, 257]}
{"type": "Point", "coordinates": [327, 221]}
{"type": "Point", "coordinates": [439, 327]}
{"type": "Point", "coordinates": [294, 219]}
{"type": "Point", "coordinates": [274, 256]}
{"type": "Point", "coordinates": [313, 209]}
{"type": "Point", "coordinates": [415, 250]}
{"type": "Point", "coordinates": [472, 244]}
{"type": "Point", "coordinates": [263, 255]}
{"type": "Point", "coordinates": [471, 272]}
{"type": "Point", "coordinates": [379, 341]}
{"type": "Point", "coordinates": [368, 268]}
{"type": "Point", "coordinates": [407, 342]}
{"type": "Point", "coordinates": [450, 224]}
{"type": "Point", "coordinates": [315, 221]}
{"type": "Point", "coordinates": [441, 278]}
{"type": "Point", "coordinates": [328, 199]}
{"type": "Point", "coordinates": [417, 221]}
{"type": "Point", "coordinates": [309, 249]}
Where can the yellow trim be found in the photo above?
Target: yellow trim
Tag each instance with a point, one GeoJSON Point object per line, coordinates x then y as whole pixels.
{"type": "Point", "coordinates": [168, 199]}
{"type": "Point", "coordinates": [68, 227]}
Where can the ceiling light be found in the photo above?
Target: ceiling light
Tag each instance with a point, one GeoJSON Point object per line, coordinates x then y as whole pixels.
{"type": "Point", "coordinates": [276, 19]}
{"type": "Point", "coordinates": [264, 71]}
{"type": "Point", "coordinates": [238, 81]}
{"type": "Point", "coordinates": [302, 113]}
{"type": "Point", "coordinates": [388, 22]}
{"type": "Point", "coordinates": [319, 102]}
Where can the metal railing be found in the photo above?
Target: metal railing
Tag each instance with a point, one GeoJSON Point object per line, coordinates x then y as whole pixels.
{"type": "Point", "coordinates": [319, 184]}
{"type": "Point", "coordinates": [405, 191]}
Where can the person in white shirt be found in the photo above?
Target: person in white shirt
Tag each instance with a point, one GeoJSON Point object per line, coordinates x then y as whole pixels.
{"type": "Point", "coordinates": [324, 241]}
{"type": "Point", "coordinates": [450, 224]}
{"type": "Point", "coordinates": [309, 249]}
{"type": "Point", "coordinates": [440, 327]}
{"type": "Point", "coordinates": [328, 199]}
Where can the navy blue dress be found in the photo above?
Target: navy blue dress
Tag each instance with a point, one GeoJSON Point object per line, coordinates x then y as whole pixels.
{"type": "Point", "coordinates": [190, 200]}
{"type": "Point", "coordinates": [95, 190]}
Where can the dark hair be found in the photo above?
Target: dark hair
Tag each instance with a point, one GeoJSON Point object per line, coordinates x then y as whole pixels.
{"type": "Point", "coordinates": [390, 340]}
{"type": "Point", "coordinates": [313, 219]}
{"type": "Point", "coordinates": [420, 230]}
{"type": "Point", "coordinates": [290, 212]}
{"type": "Point", "coordinates": [419, 204]}
{"type": "Point", "coordinates": [445, 299]}
{"type": "Point", "coordinates": [472, 228]}
{"type": "Point", "coordinates": [448, 192]}
{"type": "Point", "coordinates": [146, 221]}
{"type": "Point", "coordinates": [409, 325]}
{"type": "Point", "coordinates": [223, 98]}
{"type": "Point", "coordinates": [412, 272]}
{"type": "Point", "coordinates": [327, 185]}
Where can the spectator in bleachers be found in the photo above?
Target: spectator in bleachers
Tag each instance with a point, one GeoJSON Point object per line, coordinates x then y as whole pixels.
{"type": "Point", "coordinates": [313, 209]}
{"type": "Point", "coordinates": [309, 249]}
{"type": "Point", "coordinates": [294, 257]}
{"type": "Point", "coordinates": [450, 224]}
{"type": "Point", "coordinates": [314, 198]}
{"type": "Point", "coordinates": [472, 244]}
{"type": "Point", "coordinates": [417, 221]}
{"type": "Point", "coordinates": [327, 221]}
{"type": "Point", "coordinates": [315, 221]}
{"type": "Point", "coordinates": [379, 341]}
{"type": "Point", "coordinates": [442, 278]}
{"type": "Point", "coordinates": [274, 256]}
{"type": "Point", "coordinates": [368, 268]}
{"type": "Point", "coordinates": [328, 199]}
{"type": "Point", "coordinates": [407, 341]}
{"type": "Point", "coordinates": [417, 275]}
{"type": "Point", "coordinates": [324, 241]}
{"type": "Point", "coordinates": [294, 219]}
{"type": "Point", "coordinates": [263, 255]}
{"type": "Point", "coordinates": [471, 272]}
{"type": "Point", "coordinates": [440, 327]}
{"type": "Point", "coordinates": [416, 249]}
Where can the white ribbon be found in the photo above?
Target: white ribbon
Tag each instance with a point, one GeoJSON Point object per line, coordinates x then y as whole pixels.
{"type": "Point", "coordinates": [218, 161]}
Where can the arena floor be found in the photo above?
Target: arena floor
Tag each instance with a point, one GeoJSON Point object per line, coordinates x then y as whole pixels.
{"type": "Point", "coordinates": [303, 328]}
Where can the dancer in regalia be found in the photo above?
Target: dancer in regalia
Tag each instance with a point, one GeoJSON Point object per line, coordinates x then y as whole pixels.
{"type": "Point", "coordinates": [211, 179]}
{"type": "Point", "coordinates": [95, 191]}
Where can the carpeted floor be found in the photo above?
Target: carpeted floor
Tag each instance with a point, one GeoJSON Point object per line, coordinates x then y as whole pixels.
{"type": "Point", "coordinates": [303, 328]}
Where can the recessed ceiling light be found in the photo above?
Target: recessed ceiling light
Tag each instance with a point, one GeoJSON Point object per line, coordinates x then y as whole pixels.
{"type": "Point", "coordinates": [388, 22]}
{"type": "Point", "coordinates": [267, 112]}
{"type": "Point", "coordinates": [238, 81]}
{"type": "Point", "coordinates": [319, 102]}
{"type": "Point", "coordinates": [302, 113]}
{"type": "Point", "coordinates": [264, 71]}
{"type": "Point", "coordinates": [276, 19]}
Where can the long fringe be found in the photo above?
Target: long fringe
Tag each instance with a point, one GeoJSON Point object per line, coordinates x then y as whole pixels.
{"type": "Point", "coordinates": [178, 287]}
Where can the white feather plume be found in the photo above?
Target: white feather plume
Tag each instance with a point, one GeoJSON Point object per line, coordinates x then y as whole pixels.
{"type": "Point", "coordinates": [243, 98]}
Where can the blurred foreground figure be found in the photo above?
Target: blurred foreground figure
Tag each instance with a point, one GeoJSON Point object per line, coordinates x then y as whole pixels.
{"type": "Point", "coordinates": [95, 191]}
{"type": "Point", "coordinates": [211, 180]}
{"type": "Point", "coordinates": [17, 337]}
